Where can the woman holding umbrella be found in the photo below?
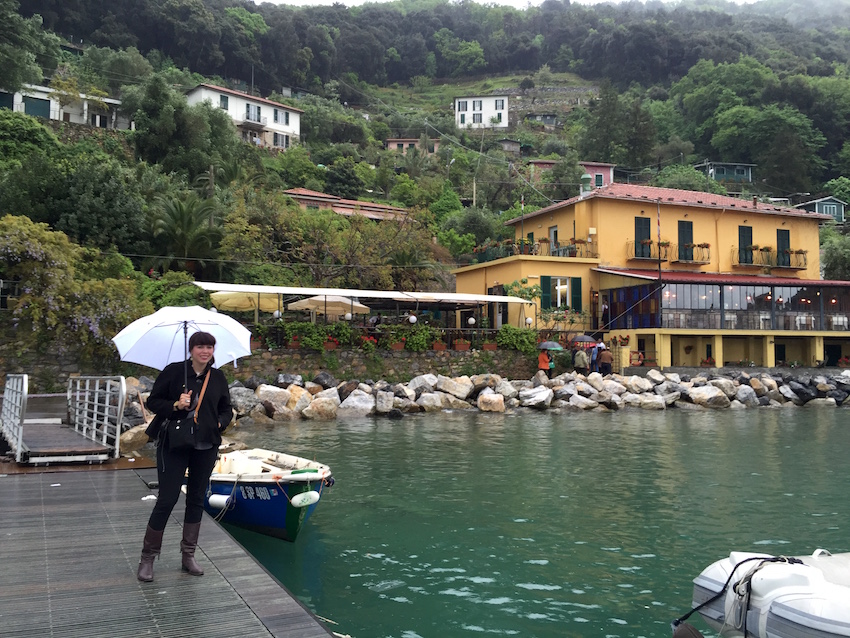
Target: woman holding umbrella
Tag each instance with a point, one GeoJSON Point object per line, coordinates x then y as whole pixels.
{"type": "Point", "coordinates": [196, 392]}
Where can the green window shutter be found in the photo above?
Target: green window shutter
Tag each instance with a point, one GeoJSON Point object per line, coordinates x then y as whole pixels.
{"type": "Point", "coordinates": [545, 292]}
{"type": "Point", "coordinates": [575, 293]}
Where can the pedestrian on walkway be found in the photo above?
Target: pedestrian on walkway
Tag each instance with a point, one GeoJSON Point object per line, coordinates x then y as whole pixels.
{"type": "Point", "coordinates": [204, 401]}
{"type": "Point", "coordinates": [606, 360]}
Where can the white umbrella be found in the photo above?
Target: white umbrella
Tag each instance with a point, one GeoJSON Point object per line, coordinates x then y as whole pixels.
{"type": "Point", "coordinates": [159, 339]}
{"type": "Point", "coordinates": [330, 304]}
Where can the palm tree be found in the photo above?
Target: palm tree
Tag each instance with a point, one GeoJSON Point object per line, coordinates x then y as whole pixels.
{"type": "Point", "coordinates": [187, 230]}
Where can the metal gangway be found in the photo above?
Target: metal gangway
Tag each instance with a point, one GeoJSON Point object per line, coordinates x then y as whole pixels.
{"type": "Point", "coordinates": [89, 431]}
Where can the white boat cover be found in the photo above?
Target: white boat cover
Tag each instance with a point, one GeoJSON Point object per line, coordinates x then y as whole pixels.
{"type": "Point", "coordinates": [770, 597]}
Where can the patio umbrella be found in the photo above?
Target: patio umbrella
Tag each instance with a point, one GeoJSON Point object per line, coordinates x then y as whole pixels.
{"type": "Point", "coordinates": [583, 339]}
{"type": "Point", "coordinates": [330, 305]}
{"type": "Point", "coordinates": [241, 301]}
{"type": "Point", "coordinates": [161, 338]}
{"type": "Point", "coordinates": [550, 345]}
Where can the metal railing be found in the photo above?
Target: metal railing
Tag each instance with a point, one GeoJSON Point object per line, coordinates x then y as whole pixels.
{"type": "Point", "coordinates": [690, 254]}
{"type": "Point", "coordinates": [96, 407]}
{"type": "Point", "coordinates": [647, 249]}
{"type": "Point", "coordinates": [769, 258]}
{"type": "Point", "coordinates": [13, 411]}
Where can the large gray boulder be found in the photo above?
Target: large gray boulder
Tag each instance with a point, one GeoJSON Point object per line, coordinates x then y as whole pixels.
{"type": "Point", "coordinates": [726, 385]}
{"type": "Point", "coordinates": [506, 389]}
{"type": "Point", "coordinates": [747, 396]}
{"type": "Point", "coordinates": [582, 402]}
{"type": "Point", "coordinates": [614, 387]}
{"type": "Point", "coordinates": [243, 400]}
{"type": "Point", "coordinates": [358, 403]}
{"type": "Point", "coordinates": [430, 402]}
{"type": "Point", "coordinates": [655, 376]}
{"type": "Point", "coordinates": [596, 380]}
{"type": "Point", "coordinates": [538, 398]}
{"type": "Point", "coordinates": [326, 380]}
{"type": "Point", "coordinates": [649, 401]}
{"type": "Point", "coordinates": [461, 387]}
{"type": "Point", "coordinates": [758, 387]}
{"type": "Point", "coordinates": [491, 402]}
{"type": "Point", "coordinates": [789, 395]}
{"type": "Point", "coordinates": [638, 385]}
{"type": "Point", "coordinates": [425, 382]}
{"type": "Point", "coordinates": [322, 408]}
{"type": "Point", "coordinates": [272, 393]}
{"type": "Point", "coordinates": [299, 398]}
{"type": "Point", "coordinates": [451, 402]}
{"type": "Point", "coordinates": [709, 396]}
{"type": "Point", "coordinates": [384, 402]}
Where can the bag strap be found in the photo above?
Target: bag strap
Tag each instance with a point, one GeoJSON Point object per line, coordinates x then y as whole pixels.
{"type": "Point", "coordinates": [201, 396]}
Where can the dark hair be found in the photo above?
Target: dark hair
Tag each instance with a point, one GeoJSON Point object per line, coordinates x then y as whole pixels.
{"type": "Point", "coordinates": [201, 339]}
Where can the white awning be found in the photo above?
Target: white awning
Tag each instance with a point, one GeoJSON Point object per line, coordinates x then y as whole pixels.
{"type": "Point", "coordinates": [395, 295]}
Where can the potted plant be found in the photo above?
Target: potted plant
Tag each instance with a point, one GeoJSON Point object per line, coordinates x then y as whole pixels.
{"type": "Point", "coordinates": [294, 342]}
{"type": "Point", "coordinates": [765, 249]}
{"type": "Point", "coordinates": [398, 345]}
{"type": "Point", "coordinates": [844, 362]}
{"type": "Point", "coordinates": [624, 341]}
{"type": "Point", "coordinates": [368, 344]}
{"type": "Point", "coordinates": [664, 243]}
{"type": "Point", "coordinates": [331, 343]}
{"type": "Point", "coordinates": [753, 247]}
{"type": "Point", "coordinates": [646, 242]}
{"type": "Point", "coordinates": [439, 344]}
{"type": "Point", "coordinates": [704, 244]}
{"type": "Point", "coordinates": [708, 362]}
{"type": "Point", "coordinates": [489, 345]}
{"type": "Point", "coordinates": [801, 251]}
{"type": "Point", "coordinates": [461, 344]}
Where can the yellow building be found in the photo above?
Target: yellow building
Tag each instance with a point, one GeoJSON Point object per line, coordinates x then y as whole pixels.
{"type": "Point", "coordinates": [690, 278]}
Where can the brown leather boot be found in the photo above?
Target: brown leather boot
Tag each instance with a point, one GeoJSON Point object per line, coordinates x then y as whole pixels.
{"type": "Point", "coordinates": [188, 545]}
{"type": "Point", "coordinates": [150, 550]}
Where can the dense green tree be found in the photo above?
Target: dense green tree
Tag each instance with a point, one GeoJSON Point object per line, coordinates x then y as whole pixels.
{"type": "Point", "coordinates": [182, 138]}
{"type": "Point", "coordinates": [187, 232]}
{"type": "Point", "coordinates": [342, 179]}
{"type": "Point", "coordinates": [839, 187]}
{"type": "Point", "coordinates": [26, 50]}
{"type": "Point", "coordinates": [447, 203]}
{"type": "Point", "coordinates": [836, 256]}
{"type": "Point", "coordinates": [602, 140]}
{"type": "Point", "coordinates": [59, 308]}
{"type": "Point", "coordinates": [478, 222]}
{"type": "Point", "coordinates": [21, 136]}
{"type": "Point", "coordinates": [687, 178]}
{"type": "Point", "coordinates": [83, 192]}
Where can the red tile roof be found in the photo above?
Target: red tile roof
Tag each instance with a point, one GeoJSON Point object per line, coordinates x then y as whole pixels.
{"type": "Point", "coordinates": [246, 96]}
{"type": "Point", "coordinates": [683, 277]}
{"type": "Point", "coordinates": [676, 197]}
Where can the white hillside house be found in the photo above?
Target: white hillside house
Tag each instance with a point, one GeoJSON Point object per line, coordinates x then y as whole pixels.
{"type": "Point", "coordinates": [260, 121]}
{"type": "Point", "coordinates": [41, 101]}
{"type": "Point", "coordinates": [481, 112]}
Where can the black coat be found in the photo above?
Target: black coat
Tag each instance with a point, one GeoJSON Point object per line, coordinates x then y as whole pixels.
{"type": "Point", "coordinates": [215, 412]}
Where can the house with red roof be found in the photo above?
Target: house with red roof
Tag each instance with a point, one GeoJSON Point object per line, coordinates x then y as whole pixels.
{"type": "Point", "coordinates": [686, 278]}
{"type": "Point", "coordinates": [259, 121]}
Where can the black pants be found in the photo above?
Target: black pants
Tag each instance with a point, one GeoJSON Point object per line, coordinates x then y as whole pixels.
{"type": "Point", "coordinates": [604, 368]}
{"type": "Point", "coordinates": [171, 468]}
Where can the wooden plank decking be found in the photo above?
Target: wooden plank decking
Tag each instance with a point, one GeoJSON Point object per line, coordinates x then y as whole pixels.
{"type": "Point", "coordinates": [70, 549]}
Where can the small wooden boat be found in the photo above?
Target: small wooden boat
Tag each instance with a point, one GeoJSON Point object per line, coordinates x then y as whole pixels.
{"type": "Point", "coordinates": [768, 596]}
{"type": "Point", "coordinates": [266, 492]}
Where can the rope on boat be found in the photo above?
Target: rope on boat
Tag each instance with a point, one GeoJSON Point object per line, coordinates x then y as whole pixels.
{"type": "Point", "coordinates": [230, 502]}
{"type": "Point", "coordinates": [742, 588]}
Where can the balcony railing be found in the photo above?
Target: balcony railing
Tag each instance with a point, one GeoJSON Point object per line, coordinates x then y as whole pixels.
{"type": "Point", "coordinates": [647, 250]}
{"type": "Point", "coordinates": [690, 254]}
{"type": "Point", "coordinates": [483, 254]}
{"type": "Point", "coordinates": [745, 257]}
{"type": "Point", "coordinates": [254, 122]}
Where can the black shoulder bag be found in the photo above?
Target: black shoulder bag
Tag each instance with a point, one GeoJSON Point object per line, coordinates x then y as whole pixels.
{"type": "Point", "coordinates": [180, 433]}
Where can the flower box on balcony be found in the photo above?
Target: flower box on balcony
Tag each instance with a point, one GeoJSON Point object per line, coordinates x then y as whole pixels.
{"type": "Point", "coordinates": [439, 345]}
{"type": "Point", "coordinates": [461, 345]}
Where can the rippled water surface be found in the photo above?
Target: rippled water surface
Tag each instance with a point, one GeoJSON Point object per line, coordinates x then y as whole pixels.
{"type": "Point", "coordinates": [539, 524]}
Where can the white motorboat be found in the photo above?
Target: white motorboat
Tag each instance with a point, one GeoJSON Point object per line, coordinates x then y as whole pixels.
{"type": "Point", "coordinates": [768, 596]}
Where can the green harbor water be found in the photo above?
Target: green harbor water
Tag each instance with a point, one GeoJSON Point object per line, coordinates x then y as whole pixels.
{"type": "Point", "coordinates": [540, 524]}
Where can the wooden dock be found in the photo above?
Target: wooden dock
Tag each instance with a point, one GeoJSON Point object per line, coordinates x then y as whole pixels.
{"type": "Point", "coordinates": [70, 549]}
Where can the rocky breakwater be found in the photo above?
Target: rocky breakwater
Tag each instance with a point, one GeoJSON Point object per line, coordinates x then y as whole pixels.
{"type": "Point", "coordinates": [291, 397]}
